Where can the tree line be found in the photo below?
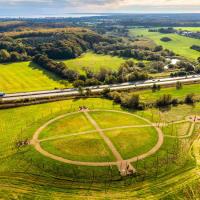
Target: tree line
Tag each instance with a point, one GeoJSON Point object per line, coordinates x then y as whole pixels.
{"type": "Point", "coordinates": [133, 101]}
{"type": "Point", "coordinates": [128, 71]}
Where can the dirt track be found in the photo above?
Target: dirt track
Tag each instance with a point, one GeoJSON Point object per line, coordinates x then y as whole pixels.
{"type": "Point", "coordinates": [36, 142]}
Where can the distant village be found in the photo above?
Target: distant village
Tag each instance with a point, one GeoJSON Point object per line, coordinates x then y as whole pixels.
{"type": "Point", "coordinates": [189, 33]}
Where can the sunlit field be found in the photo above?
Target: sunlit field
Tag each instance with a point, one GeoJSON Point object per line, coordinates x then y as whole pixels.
{"type": "Point", "coordinates": [179, 44]}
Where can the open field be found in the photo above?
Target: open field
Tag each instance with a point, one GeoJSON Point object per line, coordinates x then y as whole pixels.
{"type": "Point", "coordinates": [25, 76]}
{"type": "Point", "coordinates": [149, 96]}
{"type": "Point", "coordinates": [67, 125]}
{"type": "Point", "coordinates": [36, 176]}
{"type": "Point", "coordinates": [179, 44]}
{"type": "Point", "coordinates": [133, 141]}
{"type": "Point", "coordinates": [87, 147]}
{"type": "Point", "coordinates": [95, 62]}
{"type": "Point", "coordinates": [177, 129]}
{"type": "Point", "coordinates": [193, 29]}
{"type": "Point", "coordinates": [115, 119]}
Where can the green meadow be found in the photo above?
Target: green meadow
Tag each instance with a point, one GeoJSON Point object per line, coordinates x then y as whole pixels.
{"type": "Point", "coordinates": [193, 29]}
{"type": "Point", "coordinates": [179, 44]}
{"type": "Point", "coordinates": [95, 62]}
{"type": "Point", "coordinates": [26, 76]}
{"type": "Point", "coordinates": [149, 96]}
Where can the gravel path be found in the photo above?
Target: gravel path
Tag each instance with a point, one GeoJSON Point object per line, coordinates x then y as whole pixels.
{"type": "Point", "coordinates": [120, 162]}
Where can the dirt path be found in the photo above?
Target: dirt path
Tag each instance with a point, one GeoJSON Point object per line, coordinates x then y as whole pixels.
{"type": "Point", "coordinates": [92, 131]}
{"type": "Point", "coordinates": [120, 163]}
{"type": "Point", "coordinates": [190, 132]}
{"type": "Point", "coordinates": [105, 138]}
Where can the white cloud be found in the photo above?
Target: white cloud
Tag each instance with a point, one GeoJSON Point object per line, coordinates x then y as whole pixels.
{"type": "Point", "coordinates": [99, 5]}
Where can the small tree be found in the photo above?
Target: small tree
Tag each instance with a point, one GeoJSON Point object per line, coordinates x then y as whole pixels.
{"type": "Point", "coordinates": [4, 55]}
{"type": "Point", "coordinates": [78, 83]}
{"type": "Point", "coordinates": [189, 99]}
{"type": "Point", "coordinates": [164, 100]}
{"type": "Point", "coordinates": [156, 87]}
{"type": "Point", "coordinates": [179, 85]}
{"type": "Point", "coordinates": [134, 101]}
{"type": "Point", "coordinates": [80, 90]}
{"type": "Point", "coordinates": [88, 92]}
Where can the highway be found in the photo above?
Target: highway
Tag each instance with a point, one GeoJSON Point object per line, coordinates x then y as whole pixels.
{"type": "Point", "coordinates": [95, 89]}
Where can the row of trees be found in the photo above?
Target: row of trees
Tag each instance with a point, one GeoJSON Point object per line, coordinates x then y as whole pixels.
{"type": "Point", "coordinates": [127, 72]}
{"type": "Point", "coordinates": [119, 48]}
{"type": "Point", "coordinates": [132, 101]}
{"type": "Point", "coordinates": [58, 68]}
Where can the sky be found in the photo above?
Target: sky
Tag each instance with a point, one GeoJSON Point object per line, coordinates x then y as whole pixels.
{"type": "Point", "coordinates": [59, 7]}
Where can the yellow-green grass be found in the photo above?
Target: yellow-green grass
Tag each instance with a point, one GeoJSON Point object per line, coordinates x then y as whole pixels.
{"type": "Point", "coordinates": [95, 62]}
{"type": "Point", "coordinates": [86, 148]}
{"type": "Point", "coordinates": [26, 76]}
{"type": "Point", "coordinates": [149, 96]}
{"type": "Point", "coordinates": [170, 114]}
{"type": "Point", "coordinates": [179, 44]}
{"type": "Point", "coordinates": [193, 29]}
{"type": "Point", "coordinates": [106, 119]}
{"type": "Point", "coordinates": [26, 174]}
{"type": "Point", "coordinates": [132, 142]}
{"type": "Point", "coordinates": [181, 129]}
{"type": "Point", "coordinates": [74, 123]}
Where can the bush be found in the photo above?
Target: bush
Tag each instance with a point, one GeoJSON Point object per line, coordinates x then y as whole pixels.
{"type": "Point", "coordinates": [166, 39]}
{"type": "Point", "coordinates": [179, 85]}
{"type": "Point", "coordinates": [165, 100]}
{"type": "Point", "coordinates": [189, 99]}
{"type": "Point", "coordinates": [106, 92]}
{"type": "Point", "coordinates": [155, 88]}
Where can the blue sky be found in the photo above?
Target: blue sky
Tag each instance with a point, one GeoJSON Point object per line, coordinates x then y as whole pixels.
{"type": "Point", "coordinates": [40, 7]}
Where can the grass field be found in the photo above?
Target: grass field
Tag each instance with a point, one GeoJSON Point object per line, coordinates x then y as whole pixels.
{"type": "Point", "coordinates": [179, 44]}
{"type": "Point", "coordinates": [177, 129]}
{"type": "Point", "coordinates": [95, 62]}
{"type": "Point", "coordinates": [133, 141]}
{"type": "Point", "coordinates": [25, 76]}
{"type": "Point", "coordinates": [109, 119]}
{"type": "Point", "coordinates": [193, 29]}
{"type": "Point", "coordinates": [70, 124]}
{"type": "Point", "coordinates": [26, 174]}
{"type": "Point", "coordinates": [88, 147]}
{"type": "Point", "coordinates": [149, 96]}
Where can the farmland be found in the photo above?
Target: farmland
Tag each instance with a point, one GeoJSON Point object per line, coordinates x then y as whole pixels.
{"type": "Point", "coordinates": [179, 44]}
{"type": "Point", "coordinates": [25, 76]}
{"type": "Point", "coordinates": [193, 29]}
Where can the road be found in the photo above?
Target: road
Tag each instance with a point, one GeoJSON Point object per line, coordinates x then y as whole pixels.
{"type": "Point", "coordinates": [96, 89]}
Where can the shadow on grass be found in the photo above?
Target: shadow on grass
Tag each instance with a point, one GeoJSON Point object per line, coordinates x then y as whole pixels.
{"type": "Point", "coordinates": [50, 75]}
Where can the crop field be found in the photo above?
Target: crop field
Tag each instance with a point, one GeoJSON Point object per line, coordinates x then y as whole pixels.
{"type": "Point", "coordinates": [149, 96]}
{"type": "Point", "coordinates": [193, 29]}
{"type": "Point", "coordinates": [54, 149]}
{"type": "Point", "coordinates": [95, 62]}
{"type": "Point", "coordinates": [179, 44]}
{"type": "Point", "coordinates": [25, 76]}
